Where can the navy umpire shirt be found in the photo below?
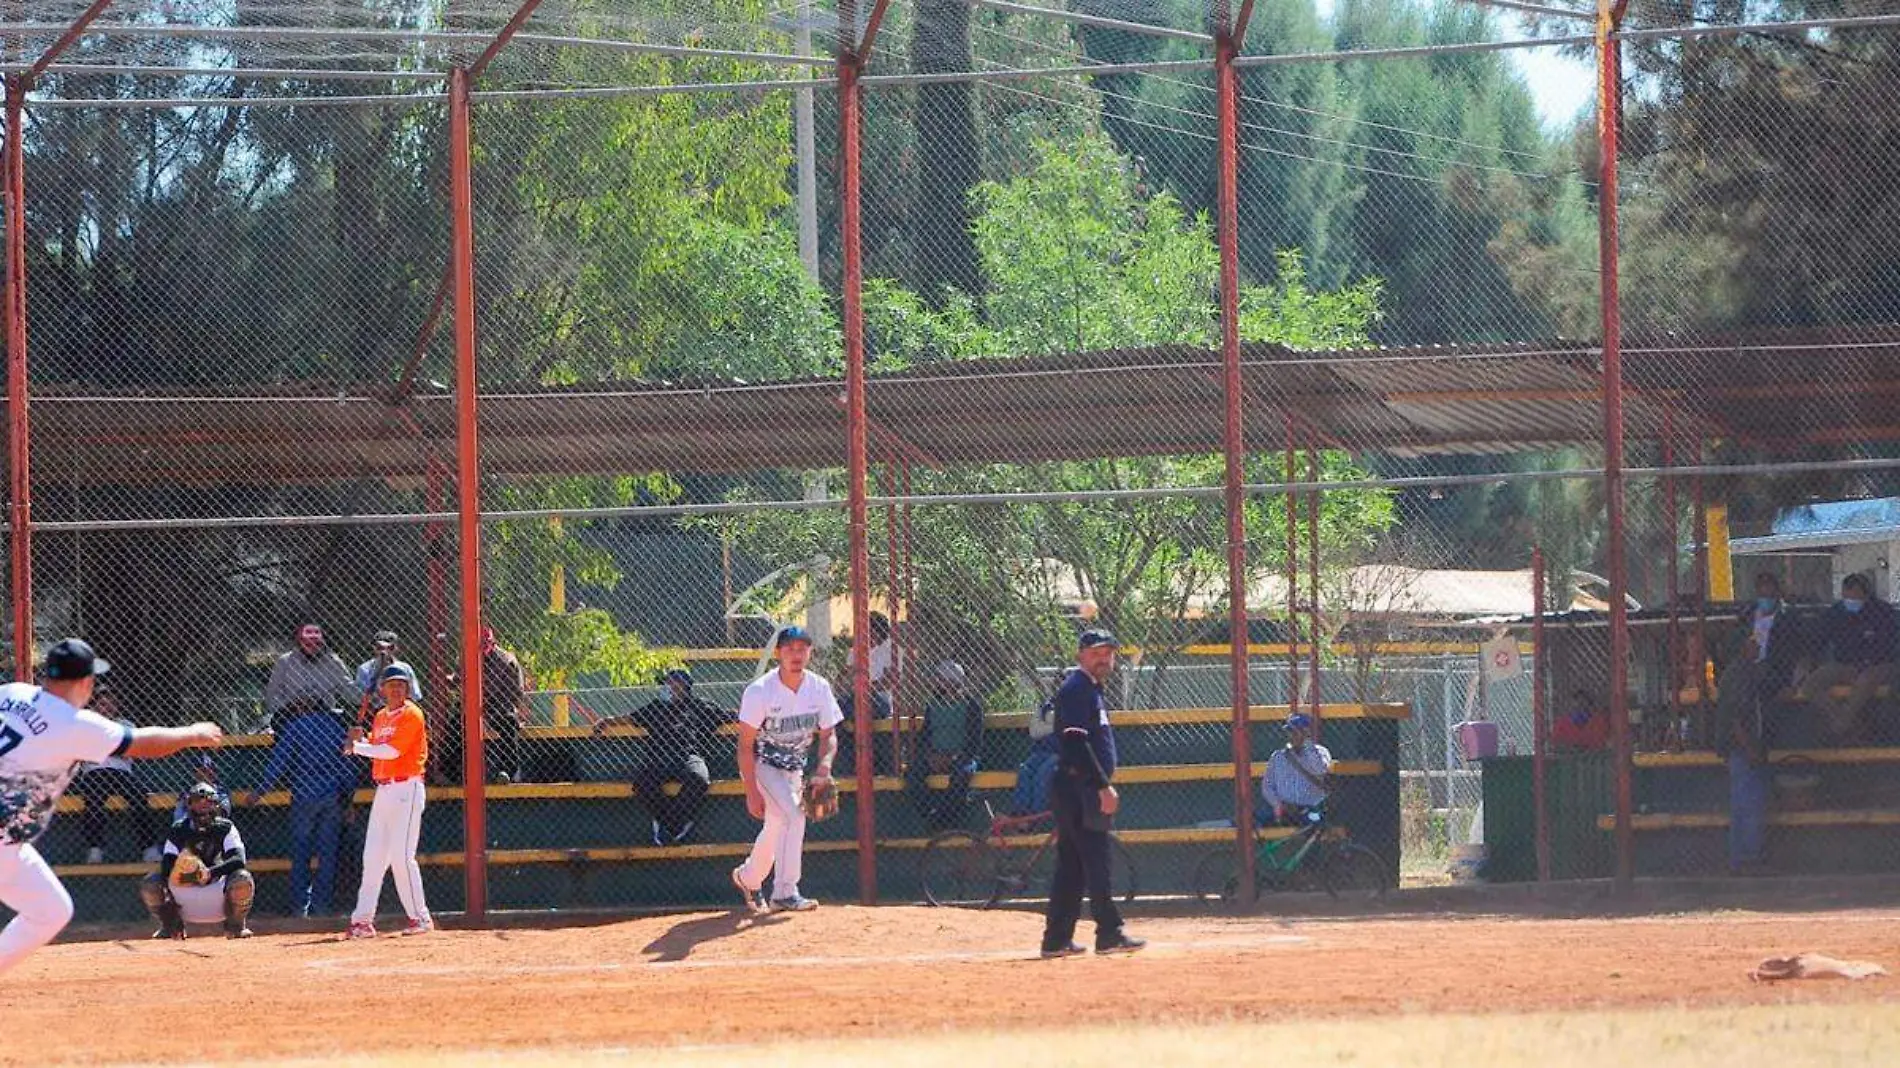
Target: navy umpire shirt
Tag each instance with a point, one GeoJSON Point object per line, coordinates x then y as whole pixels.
{"type": "Point", "coordinates": [1088, 742]}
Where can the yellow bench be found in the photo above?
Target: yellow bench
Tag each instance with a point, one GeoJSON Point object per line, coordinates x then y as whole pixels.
{"type": "Point", "coordinates": [591, 791]}
{"type": "Point", "coordinates": [1673, 821]}
{"type": "Point", "coordinates": [1708, 759]}
{"type": "Point", "coordinates": [504, 858]}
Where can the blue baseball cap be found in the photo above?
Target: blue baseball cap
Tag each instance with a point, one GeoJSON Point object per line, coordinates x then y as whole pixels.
{"type": "Point", "coordinates": [1299, 721]}
{"type": "Point", "coordinates": [680, 675]}
{"type": "Point", "coordinates": [398, 671]}
{"type": "Point", "coordinates": [792, 634]}
{"type": "Point", "coordinates": [1089, 639]}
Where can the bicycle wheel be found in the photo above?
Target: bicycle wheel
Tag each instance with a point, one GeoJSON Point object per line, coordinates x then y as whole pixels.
{"type": "Point", "coordinates": [1216, 879]}
{"type": "Point", "coordinates": [1121, 871]}
{"type": "Point", "coordinates": [959, 870]}
{"type": "Point", "coordinates": [1353, 871]}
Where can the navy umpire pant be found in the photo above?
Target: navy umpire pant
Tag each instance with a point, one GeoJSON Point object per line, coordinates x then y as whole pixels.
{"type": "Point", "coordinates": [1081, 865]}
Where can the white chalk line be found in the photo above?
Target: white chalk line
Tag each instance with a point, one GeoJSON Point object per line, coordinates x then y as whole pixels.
{"type": "Point", "coordinates": [368, 968]}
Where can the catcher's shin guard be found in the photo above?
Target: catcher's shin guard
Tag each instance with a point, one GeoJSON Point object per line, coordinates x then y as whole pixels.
{"type": "Point", "coordinates": [163, 909]}
{"type": "Point", "coordinates": [239, 890]}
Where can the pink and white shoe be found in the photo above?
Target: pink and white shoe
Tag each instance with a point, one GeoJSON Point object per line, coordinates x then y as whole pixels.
{"type": "Point", "coordinates": [360, 930]}
{"type": "Point", "coordinates": [422, 926]}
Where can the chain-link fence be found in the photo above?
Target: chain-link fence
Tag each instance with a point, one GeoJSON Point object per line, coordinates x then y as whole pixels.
{"type": "Point", "coordinates": [593, 386]}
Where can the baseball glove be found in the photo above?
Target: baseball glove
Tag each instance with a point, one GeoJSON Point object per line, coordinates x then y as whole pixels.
{"type": "Point", "coordinates": [186, 870]}
{"type": "Point", "coordinates": [821, 800]}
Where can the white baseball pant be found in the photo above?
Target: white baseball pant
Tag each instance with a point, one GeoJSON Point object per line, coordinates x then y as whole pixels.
{"type": "Point", "coordinates": [780, 847]}
{"type": "Point", "coordinates": [389, 845]}
{"type": "Point", "coordinates": [44, 908]}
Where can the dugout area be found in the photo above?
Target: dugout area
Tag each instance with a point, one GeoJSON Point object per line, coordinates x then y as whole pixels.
{"type": "Point", "coordinates": [563, 845]}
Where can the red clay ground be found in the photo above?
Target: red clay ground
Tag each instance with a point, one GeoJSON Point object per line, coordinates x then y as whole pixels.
{"type": "Point", "coordinates": [869, 973]}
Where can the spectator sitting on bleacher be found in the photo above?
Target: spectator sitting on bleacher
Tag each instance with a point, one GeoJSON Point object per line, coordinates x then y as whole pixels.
{"type": "Point", "coordinates": [504, 707]}
{"type": "Point", "coordinates": [307, 679]}
{"type": "Point", "coordinates": [1858, 640]}
{"type": "Point", "coordinates": [1767, 652]}
{"type": "Point", "coordinates": [681, 730]}
{"type": "Point", "coordinates": [370, 672]}
{"type": "Point", "coordinates": [1584, 730]}
{"type": "Point", "coordinates": [952, 729]}
{"type": "Point", "coordinates": [1295, 779]}
{"type": "Point", "coordinates": [111, 778]}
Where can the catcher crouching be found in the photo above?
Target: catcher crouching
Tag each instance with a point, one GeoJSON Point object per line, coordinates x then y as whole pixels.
{"type": "Point", "coordinates": [201, 878]}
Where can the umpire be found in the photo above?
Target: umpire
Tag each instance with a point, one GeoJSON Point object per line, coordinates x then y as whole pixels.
{"type": "Point", "coordinates": [1085, 803]}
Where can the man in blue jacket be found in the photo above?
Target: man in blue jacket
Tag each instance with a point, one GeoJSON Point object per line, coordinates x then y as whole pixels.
{"type": "Point", "coordinates": [309, 753]}
{"type": "Point", "coordinates": [1085, 804]}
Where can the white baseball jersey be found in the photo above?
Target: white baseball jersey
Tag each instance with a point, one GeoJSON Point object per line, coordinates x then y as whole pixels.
{"type": "Point", "coordinates": [42, 738]}
{"type": "Point", "coordinates": [788, 720]}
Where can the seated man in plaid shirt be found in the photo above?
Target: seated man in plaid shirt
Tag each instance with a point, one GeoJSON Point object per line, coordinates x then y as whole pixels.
{"type": "Point", "coordinates": [1295, 780]}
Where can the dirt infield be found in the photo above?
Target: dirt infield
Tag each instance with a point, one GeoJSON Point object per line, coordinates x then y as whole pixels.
{"type": "Point", "coordinates": [716, 979]}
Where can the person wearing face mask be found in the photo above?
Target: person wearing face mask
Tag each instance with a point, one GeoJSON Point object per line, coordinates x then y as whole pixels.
{"type": "Point", "coordinates": [1858, 639]}
{"type": "Point", "coordinates": [1767, 653]}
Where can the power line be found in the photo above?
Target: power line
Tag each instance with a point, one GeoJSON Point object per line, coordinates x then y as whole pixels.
{"type": "Point", "coordinates": [1282, 105]}
{"type": "Point", "coordinates": [1258, 127]}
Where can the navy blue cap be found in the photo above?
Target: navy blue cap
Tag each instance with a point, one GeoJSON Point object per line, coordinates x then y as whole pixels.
{"type": "Point", "coordinates": [72, 658]}
{"type": "Point", "coordinates": [1092, 638]}
{"type": "Point", "coordinates": [684, 676]}
{"type": "Point", "coordinates": [792, 634]}
{"type": "Point", "coordinates": [1300, 720]}
{"type": "Point", "coordinates": [398, 671]}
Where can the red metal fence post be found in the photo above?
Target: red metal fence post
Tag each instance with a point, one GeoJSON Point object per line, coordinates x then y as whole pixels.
{"type": "Point", "coordinates": [1312, 589]}
{"type": "Point", "coordinates": [857, 446]}
{"type": "Point", "coordinates": [19, 437]}
{"type": "Point", "coordinates": [1540, 716]}
{"type": "Point", "coordinates": [1609, 117]}
{"type": "Point", "coordinates": [1235, 446]}
{"type": "Point", "coordinates": [468, 496]}
{"type": "Point", "coordinates": [1292, 576]}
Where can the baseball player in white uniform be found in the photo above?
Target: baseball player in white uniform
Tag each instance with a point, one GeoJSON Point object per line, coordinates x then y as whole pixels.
{"type": "Point", "coordinates": [44, 732]}
{"type": "Point", "coordinates": [780, 714]}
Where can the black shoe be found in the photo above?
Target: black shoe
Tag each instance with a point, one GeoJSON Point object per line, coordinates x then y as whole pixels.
{"type": "Point", "coordinates": [1070, 950]}
{"type": "Point", "coordinates": [1121, 943]}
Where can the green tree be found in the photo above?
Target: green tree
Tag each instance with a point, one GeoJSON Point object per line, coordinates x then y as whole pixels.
{"type": "Point", "coordinates": [1077, 256]}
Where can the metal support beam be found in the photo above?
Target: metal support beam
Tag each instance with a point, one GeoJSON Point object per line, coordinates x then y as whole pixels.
{"type": "Point", "coordinates": [1292, 575]}
{"type": "Point", "coordinates": [857, 448]}
{"type": "Point", "coordinates": [520, 19]}
{"type": "Point", "coordinates": [65, 40]}
{"type": "Point", "coordinates": [1098, 21]}
{"type": "Point", "coordinates": [862, 53]}
{"type": "Point", "coordinates": [1609, 118]}
{"type": "Point", "coordinates": [468, 495]}
{"type": "Point", "coordinates": [1234, 446]}
{"type": "Point", "coordinates": [1540, 716]}
{"type": "Point", "coordinates": [19, 436]}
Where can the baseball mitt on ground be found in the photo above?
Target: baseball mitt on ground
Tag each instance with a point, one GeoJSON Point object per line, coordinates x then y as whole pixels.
{"type": "Point", "coordinates": [821, 800]}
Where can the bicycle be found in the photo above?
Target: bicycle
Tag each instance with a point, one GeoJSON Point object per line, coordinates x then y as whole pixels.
{"type": "Point", "coordinates": [960, 869]}
{"type": "Point", "coordinates": [1317, 856]}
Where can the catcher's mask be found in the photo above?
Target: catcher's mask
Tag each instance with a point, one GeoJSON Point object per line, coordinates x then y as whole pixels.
{"type": "Point", "coordinates": [202, 802]}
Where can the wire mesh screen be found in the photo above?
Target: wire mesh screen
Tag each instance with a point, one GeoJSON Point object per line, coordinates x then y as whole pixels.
{"type": "Point", "coordinates": [246, 345]}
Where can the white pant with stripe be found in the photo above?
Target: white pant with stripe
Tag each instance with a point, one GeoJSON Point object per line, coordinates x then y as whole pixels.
{"type": "Point", "coordinates": [389, 845]}
{"type": "Point", "coordinates": [29, 887]}
{"type": "Point", "coordinates": [780, 847]}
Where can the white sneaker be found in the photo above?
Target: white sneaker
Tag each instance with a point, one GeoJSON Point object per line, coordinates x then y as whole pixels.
{"type": "Point", "coordinates": [95, 855]}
